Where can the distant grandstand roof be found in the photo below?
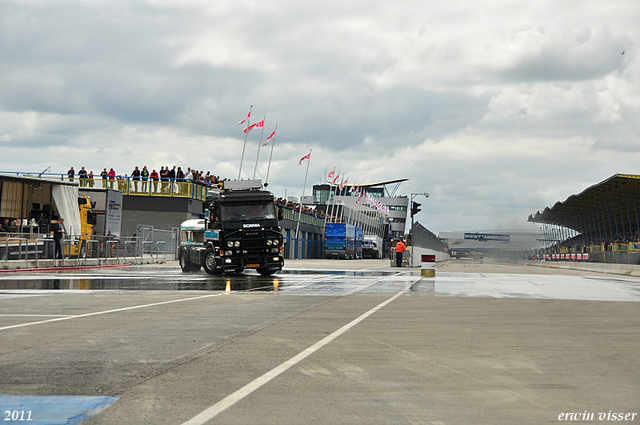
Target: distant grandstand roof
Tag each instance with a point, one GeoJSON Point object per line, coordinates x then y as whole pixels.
{"type": "Point", "coordinates": [609, 206]}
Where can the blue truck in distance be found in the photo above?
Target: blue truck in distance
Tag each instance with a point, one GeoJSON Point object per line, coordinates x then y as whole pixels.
{"type": "Point", "coordinates": [343, 240]}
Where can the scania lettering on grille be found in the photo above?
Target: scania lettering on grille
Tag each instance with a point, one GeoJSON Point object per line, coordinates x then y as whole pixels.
{"type": "Point", "coordinates": [249, 225]}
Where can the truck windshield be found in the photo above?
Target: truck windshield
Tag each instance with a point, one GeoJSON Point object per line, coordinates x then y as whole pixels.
{"type": "Point", "coordinates": [247, 212]}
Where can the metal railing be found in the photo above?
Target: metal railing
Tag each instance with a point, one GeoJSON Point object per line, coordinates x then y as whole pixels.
{"type": "Point", "coordinates": [149, 243]}
{"type": "Point", "coordinates": [7, 254]}
{"type": "Point", "coordinates": [171, 188]}
{"type": "Point", "coordinates": [304, 218]}
{"type": "Point", "coordinates": [178, 188]}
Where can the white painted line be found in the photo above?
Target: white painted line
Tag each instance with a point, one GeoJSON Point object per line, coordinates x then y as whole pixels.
{"type": "Point", "coordinates": [211, 412]}
{"type": "Point", "coordinates": [97, 313]}
{"type": "Point", "coordinates": [34, 315]}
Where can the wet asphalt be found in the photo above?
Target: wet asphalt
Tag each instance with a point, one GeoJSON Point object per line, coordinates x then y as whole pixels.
{"type": "Point", "coordinates": [362, 342]}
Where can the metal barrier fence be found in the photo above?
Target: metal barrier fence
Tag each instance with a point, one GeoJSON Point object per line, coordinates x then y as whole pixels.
{"type": "Point", "coordinates": [158, 242]}
{"type": "Point", "coordinates": [148, 244]}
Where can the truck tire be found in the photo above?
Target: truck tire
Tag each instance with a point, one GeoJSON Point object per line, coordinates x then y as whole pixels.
{"type": "Point", "coordinates": [265, 272]}
{"type": "Point", "coordinates": [186, 265]}
{"type": "Point", "coordinates": [209, 262]}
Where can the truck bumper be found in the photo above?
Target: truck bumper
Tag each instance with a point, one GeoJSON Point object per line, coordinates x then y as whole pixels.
{"type": "Point", "coordinates": [271, 262]}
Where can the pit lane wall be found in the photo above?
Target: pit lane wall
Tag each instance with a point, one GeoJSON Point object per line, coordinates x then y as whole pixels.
{"type": "Point", "coordinates": [609, 268]}
{"type": "Point", "coordinates": [425, 242]}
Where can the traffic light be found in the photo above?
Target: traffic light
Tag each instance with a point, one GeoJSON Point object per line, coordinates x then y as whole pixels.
{"type": "Point", "coordinates": [415, 208]}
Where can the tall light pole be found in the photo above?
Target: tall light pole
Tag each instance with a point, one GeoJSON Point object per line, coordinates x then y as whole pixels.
{"type": "Point", "coordinates": [415, 209]}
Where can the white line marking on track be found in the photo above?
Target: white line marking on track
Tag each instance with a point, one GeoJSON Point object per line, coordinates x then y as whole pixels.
{"type": "Point", "coordinates": [235, 397]}
{"type": "Point", "coordinates": [97, 313]}
{"type": "Point", "coordinates": [34, 315]}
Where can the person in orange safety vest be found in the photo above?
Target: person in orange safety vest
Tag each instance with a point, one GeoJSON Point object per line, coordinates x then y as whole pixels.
{"type": "Point", "coordinates": [400, 248]}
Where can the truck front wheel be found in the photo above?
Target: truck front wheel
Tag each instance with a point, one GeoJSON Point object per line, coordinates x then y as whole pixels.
{"type": "Point", "coordinates": [209, 262]}
{"type": "Point", "coordinates": [265, 272]}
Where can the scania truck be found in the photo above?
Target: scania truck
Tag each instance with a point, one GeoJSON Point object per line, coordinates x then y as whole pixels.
{"type": "Point", "coordinates": [240, 231]}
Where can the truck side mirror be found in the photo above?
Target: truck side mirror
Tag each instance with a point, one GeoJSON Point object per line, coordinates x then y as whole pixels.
{"type": "Point", "coordinates": [280, 213]}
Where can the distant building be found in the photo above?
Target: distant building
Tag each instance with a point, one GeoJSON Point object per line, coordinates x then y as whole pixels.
{"type": "Point", "coordinates": [499, 243]}
{"type": "Point", "coordinates": [344, 205]}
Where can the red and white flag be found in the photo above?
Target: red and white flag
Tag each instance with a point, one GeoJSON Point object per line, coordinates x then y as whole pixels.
{"type": "Point", "coordinates": [254, 125]}
{"type": "Point", "coordinates": [245, 120]}
{"type": "Point", "coordinates": [266, 142]}
{"type": "Point", "coordinates": [331, 174]}
{"type": "Point", "coordinates": [335, 179]}
{"type": "Point", "coordinates": [305, 157]}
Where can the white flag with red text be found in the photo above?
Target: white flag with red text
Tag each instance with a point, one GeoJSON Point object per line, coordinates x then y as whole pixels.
{"type": "Point", "coordinates": [245, 120]}
{"type": "Point", "coordinates": [266, 142]}
{"type": "Point", "coordinates": [305, 157]}
{"type": "Point", "coordinates": [254, 125]}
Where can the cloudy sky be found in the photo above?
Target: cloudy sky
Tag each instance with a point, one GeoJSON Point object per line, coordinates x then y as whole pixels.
{"type": "Point", "coordinates": [495, 108]}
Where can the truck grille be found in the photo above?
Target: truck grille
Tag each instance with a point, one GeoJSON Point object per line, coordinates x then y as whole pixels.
{"type": "Point", "coordinates": [253, 241]}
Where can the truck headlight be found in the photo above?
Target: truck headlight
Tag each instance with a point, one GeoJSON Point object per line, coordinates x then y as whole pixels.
{"type": "Point", "coordinates": [276, 242]}
{"type": "Point", "coordinates": [236, 244]}
{"type": "Point", "coordinates": [268, 242]}
{"type": "Point", "coordinates": [230, 244]}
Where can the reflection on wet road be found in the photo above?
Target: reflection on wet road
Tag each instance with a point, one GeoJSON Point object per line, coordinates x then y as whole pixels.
{"type": "Point", "coordinates": [305, 282]}
{"type": "Point", "coordinates": [329, 282]}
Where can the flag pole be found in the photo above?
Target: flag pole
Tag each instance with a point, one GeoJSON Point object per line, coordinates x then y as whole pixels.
{"type": "Point", "coordinates": [246, 134]}
{"type": "Point", "coordinates": [333, 201]}
{"type": "Point", "coordinates": [302, 199]}
{"type": "Point", "coordinates": [259, 144]}
{"type": "Point", "coordinates": [326, 210]}
{"type": "Point", "coordinates": [273, 142]}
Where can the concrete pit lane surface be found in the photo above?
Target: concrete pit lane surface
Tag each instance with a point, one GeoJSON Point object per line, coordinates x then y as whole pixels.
{"type": "Point", "coordinates": [344, 342]}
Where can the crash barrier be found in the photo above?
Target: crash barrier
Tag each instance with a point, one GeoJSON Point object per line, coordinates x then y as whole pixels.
{"type": "Point", "coordinates": [568, 257]}
{"type": "Point", "coordinates": [621, 253]}
{"type": "Point", "coordinates": [423, 238]}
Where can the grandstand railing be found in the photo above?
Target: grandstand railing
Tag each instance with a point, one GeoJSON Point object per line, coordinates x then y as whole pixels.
{"type": "Point", "coordinates": [304, 218]}
{"type": "Point", "coordinates": [171, 188]}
